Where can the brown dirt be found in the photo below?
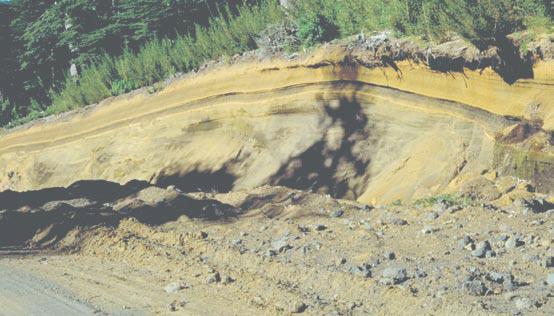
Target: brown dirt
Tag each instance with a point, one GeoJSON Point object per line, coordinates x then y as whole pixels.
{"type": "Point", "coordinates": [404, 129]}
{"type": "Point", "coordinates": [340, 182]}
{"type": "Point", "coordinates": [276, 251]}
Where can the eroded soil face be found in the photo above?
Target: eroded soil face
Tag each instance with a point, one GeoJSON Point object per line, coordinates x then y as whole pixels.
{"type": "Point", "coordinates": [274, 250]}
{"type": "Point", "coordinates": [357, 120]}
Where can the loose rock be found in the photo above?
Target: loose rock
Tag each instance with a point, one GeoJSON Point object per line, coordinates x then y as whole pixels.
{"type": "Point", "coordinates": [513, 242]}
{"type": "Point", "coordinates": [363, 271]}
{"type": "Point", "coordinates": [297, 308]}
{"type": "Point", "coordinates": [524, 303]}
{"type": "Point", "coordinates": [337, 213]}
{"type": "Point", "coordinates": [481, 249]}
{"type": "Point", "coordinates": [475, 287]}
{"type": "Point", "coordinates": [431, 216]}
{"type": "Point", "coordinates": [465, 241]}
{"type": "Point", "coordinates": [175, 287]}
{"type": "Point", "coordinates": [550, 279]}
{"type": "Point", "coordinates": [393, 275]}
{"type": "Point", "coordinates": [213, 278]}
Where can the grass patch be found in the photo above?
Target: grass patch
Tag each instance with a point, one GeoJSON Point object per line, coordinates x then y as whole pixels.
{"type": "Point", "coordinates": [448, 199]}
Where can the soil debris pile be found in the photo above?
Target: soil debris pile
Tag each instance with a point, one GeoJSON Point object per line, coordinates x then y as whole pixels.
{"type": "Point", "coordinates": [485, 250]}
{"type": "Point", "coordinates": [40, 219]}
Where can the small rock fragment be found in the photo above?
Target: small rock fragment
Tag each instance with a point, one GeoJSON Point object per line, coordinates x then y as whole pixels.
{"type": "Point", "coordinates": [427, 230]}
{"type": "Point", "coordinates": [548, 262]}
{"type": "Point", "coordinates": [280, 245]}
{"type": "Point", "coordinates": [513, 242]}
{"type": "Point", "coordinates": [399, 222]}
{"type": "Point", "coordinates": [454, 209]}
{"type": "Point", "coordinates": [172, 307]}
{"type": "Point", "coordinates": [227, 280]}
{"type": "Point", "coordinates": [431, 216]}
{"type": "Point", "coordinates": [475, 287]}
{"type": "Point", "coordinates": [297, 307]}
{"type": "Point", "coordinates": [320, 227]}
{"type": "Point", "coordinates": [393, 275]}
{"type": "Point", "coordinates": [496, 277]}
{"type": "Point", "coordinates": [363, 271]}
{"type": "Point", "coordinates": [213, 278]}
{"type": "Point", "coordinates": [440, 207]}
{"type": "Point", "coordinates": [420, 274]}
{"type": "Point", "coordinates": [550, 279]}
{"type": "Point", "coordinates": [175, 287]}
{"type": "Point", "coordinates": [465, 241]}
{"type": "Point", "coordinates": [390, 255]}
{"type": "Point", "coordinates": [201, 235]}
{"type": "Point", "coordinates": [509, 284]}
{"type": "Point", "coordinates": [337, 213]}
{"type": "Point", "coordinates": [237, 242]}
{"type": "Point", "coordinates": [258, 301]}
{"type": "Point", "coordinates": [524, 303]}
{"type": "Point", "coordinates": [481, 249]}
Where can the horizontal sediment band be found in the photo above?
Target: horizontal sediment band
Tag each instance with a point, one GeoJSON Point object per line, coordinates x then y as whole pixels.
{"type": "Point", "coordinates": [373, 134]}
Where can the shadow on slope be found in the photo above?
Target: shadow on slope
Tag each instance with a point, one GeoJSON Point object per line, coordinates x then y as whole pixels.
{"type": "Point", "coordinates": [40, 219]}
{"type": "Point", "coordinates": [100, 191]}
{"type": "Point", "coordinates": [506, 60]}
{"type": "Point", "coordinates": [220, 180]}
{"type": "Point", "coordinates": [336, 164]}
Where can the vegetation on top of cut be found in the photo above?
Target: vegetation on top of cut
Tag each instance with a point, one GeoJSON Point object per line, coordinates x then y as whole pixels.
{"type": "Point", "coordinates": [447, 199]}
{"type": "Point", "coordinates": [67, 54]}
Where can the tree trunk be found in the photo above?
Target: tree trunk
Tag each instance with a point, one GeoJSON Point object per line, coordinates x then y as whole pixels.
{"type": "Point", "coordinates": [73, 70]}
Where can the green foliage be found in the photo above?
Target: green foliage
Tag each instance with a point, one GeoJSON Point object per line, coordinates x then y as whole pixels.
{"type": "Point", "coordinates": [397, 202]}
{"type": "Point", "coordinates": [346, 17]}
{"type": "Point", "coordinates": [118, 46]}
{"type": "Point", "coordinates": [121, 86]}
{"type": "Point", "coordinates": [5, 111]}
{"type": "Point", "coordinates": [448, 199]}
{"type": "Point", "coordinates": [158, 86]}
{"type": "Point", "coordinates": [157, 60]}
{"type": "Point", "coordinates": [480, 21]}
{"type": "Point", "coordinates": [314, 29]}
{"type": "Point", "coordinates": [483, 22]}
{"type": "Point", "coordinates": [47, 38]}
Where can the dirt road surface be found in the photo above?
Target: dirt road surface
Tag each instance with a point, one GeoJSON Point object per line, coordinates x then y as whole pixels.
{"type": "Point", "coordinates": [23, 293]}
{"type": "Point", "coordinates": [81, 285]}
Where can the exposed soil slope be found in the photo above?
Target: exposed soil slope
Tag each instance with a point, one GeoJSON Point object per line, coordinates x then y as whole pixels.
{"type": "Point", "coordinates": [342, 120]}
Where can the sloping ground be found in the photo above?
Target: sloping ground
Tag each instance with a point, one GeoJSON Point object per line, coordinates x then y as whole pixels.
{"type": "Point", "coordinates": [143, 250]}
{"type": "Point", "coordinates": [344, 122]}
{"type": "Point", "coordinates": [334, 121]}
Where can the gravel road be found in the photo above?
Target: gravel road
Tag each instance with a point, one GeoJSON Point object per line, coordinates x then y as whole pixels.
{"type": "Point", "coordinates": [22, 293]}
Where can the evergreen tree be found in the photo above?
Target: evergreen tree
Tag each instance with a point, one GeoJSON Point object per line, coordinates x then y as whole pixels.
{"type": "Point", "coordinates": [89, 31]}
{"type": "Point", "coordinates": [36, 29]}
{"type": "Point", "coordinates": [8, 63]}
